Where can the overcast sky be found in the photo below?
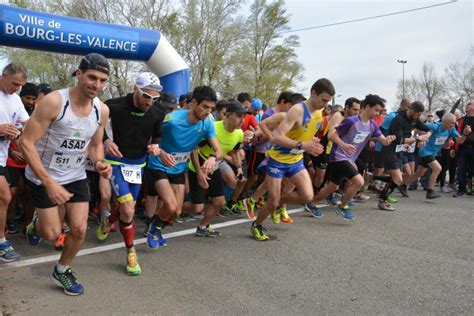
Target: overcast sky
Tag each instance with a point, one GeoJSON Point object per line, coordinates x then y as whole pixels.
{"type": "Point", "coordinates": [361, 58]}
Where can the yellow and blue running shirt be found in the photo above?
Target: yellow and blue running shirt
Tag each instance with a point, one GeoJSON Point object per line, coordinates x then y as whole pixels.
{"type": "Point", "coordinates": [303, 133]}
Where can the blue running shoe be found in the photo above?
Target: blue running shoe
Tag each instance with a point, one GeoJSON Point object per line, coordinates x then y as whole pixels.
{"type": "Point", "coordinates": [331, 199]}
{"type": "Point", "coordinates": [33, 238]}
{"type": "Point", "coordinates": [7, 253]}
{"type": "Point", "coordinates": [315, 211]}
{"type": "Point", "coordinates": [345, 212]}
{"type": "Point", "coordinates": [68, 282]}
{"type": "Point", "coordinates": [155, 239]}
{"type": "Point", "coordinates": [351, 202]}
{"type": "Point", "coordinates": [458, 194]}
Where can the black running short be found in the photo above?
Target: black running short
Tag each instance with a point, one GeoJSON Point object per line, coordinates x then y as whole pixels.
{"type": "Point", "coordinates": [150, 184]}
{"type": "Point", "coordinates": [425, 161]}
{"type": "Point", "coordinates": [14, 174]}
{"type": "Point", "coordinates": [388, 160]}
{"type": "Point", "coordinates": [340, 170]}
{"type": "Point", "coordinates": [198, 194]}
{"type": "Point", "coordinates": [320, 162]}
{"type": "Point", "coordinates": [254, 159]}
{"type": "Point", "coordinates": [157, 175]}
{"type": "Point", "coordinates": [79, 189]}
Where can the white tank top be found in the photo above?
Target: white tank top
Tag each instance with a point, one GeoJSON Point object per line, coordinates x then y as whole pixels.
{"type": "Point", "coordinates": [63, 148]}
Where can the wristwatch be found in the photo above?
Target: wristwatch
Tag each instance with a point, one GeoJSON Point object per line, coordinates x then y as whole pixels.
{"type": "Point", "coordinates": [299, 145]}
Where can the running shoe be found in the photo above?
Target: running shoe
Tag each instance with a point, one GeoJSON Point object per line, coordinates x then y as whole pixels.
{"type": "Point", "coordinates": [284, 217]}
{"type": "Point", "coordinates": [258, 232]}
{"type": "Point", "coordinates": [235, 209]}
{"type": "Point", "coordinates": [361, 197]}
{"type": "Point", "coordinates": [412, 187]}
{"type": "Point", "coordinates": [331, 199]}
{"type": "Point", "coordinates": [105, 226]}
{"type": "Point", "coordinates": [11, 229]}
{"type": "Point", "coordinates": [446, 189]}
{"type": "Point", "coordinates": [7, 253]}
{"type": "Point", "coordinates": [391, 199]}
{"type": "Point", "coordinates": [385, 206]}
{"type": "Point", "coordinates": [207, 231]}
{"type": "Point", "coordinates": [225, 211]}
{"type": "Point", "coordinates": [403, 190]}
{"type": "Point", "coordinates": [372, 188]}
{"type": "Point", "coordinates": [345, 212]}
{"type": "Point", "coordinates": [350, 202]}
{"type": "Point", "coordinates": [31, 235]}
{"type": "Point", "coordinates": [250, 207]}
{"type": "Point", "coordinates": [59, 243]}
{"type": "Point", "coordinates": [430, 195]}
{"type": "Point", "coordinates": [276, 217]}
{"type": "Point", "coordinates": [260, 203]}
{"type": "Point", "coordinates": [458, 194]}
{"type": "Point", "coordinates": [68, 282]}
{"type": "Point", "coordinates": [155, 239]}
{"type": "Point", "coordinates": [133, 267]}
{"type": "Point", "coordinates": [315, 211]}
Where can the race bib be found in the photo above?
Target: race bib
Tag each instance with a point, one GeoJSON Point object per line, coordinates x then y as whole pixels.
{"type": "Point", "coordinates": [440, 140]}
{"type": "Point", "coordinates": [89, 165]}
{"type": "Point", "coordinates": [181, 157]}
{"type": "Point", "coordinates": [67, 160]}
{"type": "Point", "coordinates": [131, 173]}
{"type": "Point", "coordinates": [400, 148]}
{"type": "Point", "coordinates": [296, 151]}
{"type": "Point", "coordinates": [218, 164]}
{"type": "Point", "coordinates": [411, 148]}
{"type": "Point", "coordinates": [360, 137]}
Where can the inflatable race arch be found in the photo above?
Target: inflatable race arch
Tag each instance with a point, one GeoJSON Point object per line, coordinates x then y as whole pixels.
{"type": "Point", "coordinates": [29, 29]}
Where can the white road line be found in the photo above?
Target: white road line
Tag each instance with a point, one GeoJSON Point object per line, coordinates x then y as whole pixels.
{"type": "Point", "coordinates": [33, 261]}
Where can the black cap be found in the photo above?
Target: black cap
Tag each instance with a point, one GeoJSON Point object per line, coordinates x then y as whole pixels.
{"type": "Point", "coordinates": [236, 107]}
{"type": "Point", "coordinates": [168, 99]}
{"type": "Point", "coordinates": [186, 97]}
{"type": "Point", "coordinates": [29, 89]}
{"type": "Point", "coordinates": [94, 61]}
{"type": "Point", "coordinates": [44, 88]}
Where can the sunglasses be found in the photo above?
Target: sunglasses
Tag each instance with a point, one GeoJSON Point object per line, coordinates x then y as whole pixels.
{"type": "Point", "coordinates": [430, 115]}
{"type": "Point", "coordinates": [147, 96]}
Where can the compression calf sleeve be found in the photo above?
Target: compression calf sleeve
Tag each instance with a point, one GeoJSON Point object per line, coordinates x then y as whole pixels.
{"type": "Point", "coordinates": [128, 232]}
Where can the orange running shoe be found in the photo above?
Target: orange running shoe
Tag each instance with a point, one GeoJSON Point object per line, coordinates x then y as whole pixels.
{"type": "Point", "coordinates": [285, 218]}
{"type": "Point", "coordinates": [59, 244]}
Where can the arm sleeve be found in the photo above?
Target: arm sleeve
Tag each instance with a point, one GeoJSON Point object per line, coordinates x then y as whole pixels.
{"type": "Point", "coordinates": [344, 127]}
{"type": "Point", "coordinates": [376, 130]}
{"type": "Point", "coordinates": [419, 125]}
{"type": "Point", "coordinates": [211, 130]}
{"type": "Point", "coordinates": [397, 130]}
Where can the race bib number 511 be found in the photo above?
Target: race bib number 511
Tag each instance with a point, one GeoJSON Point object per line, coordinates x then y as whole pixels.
{"type": "Point", "coordinates": [65, 161]}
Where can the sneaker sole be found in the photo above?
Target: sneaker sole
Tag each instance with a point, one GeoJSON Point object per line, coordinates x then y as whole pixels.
{"type": "Point", "coordinates": [342, 215]}
{"type": "Point", "coordinates": [9, 260]}
{"type": "Point", "coordinates": [65, 291]}
{"type": "Point", "coordinates": [247, 208]}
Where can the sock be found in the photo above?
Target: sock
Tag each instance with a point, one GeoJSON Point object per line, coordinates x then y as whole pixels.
{"type": "Point", "coordinates": [2, 240]}
{"type": "Point", "coordinates": [157, 221]}
{"type": "Point", "coordinates": [60, 268]}
{"type": "Point", "coordinates": [128, 232]}
{"type": "Point", "coordinates": [388, 190]}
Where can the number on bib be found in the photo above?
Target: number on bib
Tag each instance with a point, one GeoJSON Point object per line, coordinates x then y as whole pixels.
{"type": "Point", "coordinates": [67, 160]}
{"type": "Point", "coordinates": [132, 173]}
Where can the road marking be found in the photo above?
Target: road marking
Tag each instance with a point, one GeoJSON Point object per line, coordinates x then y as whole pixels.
{"type": "Point", "coordinates": [93, 250]}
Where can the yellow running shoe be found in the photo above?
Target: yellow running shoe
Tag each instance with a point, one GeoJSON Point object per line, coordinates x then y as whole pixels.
{"type": "Point", "coordinates": [104, 227]}
{"type": "Point", "coordinates": [285, 218]}
{"type": "Point", "coordinates": [133, 267]}
{"type": "Point", "coordinates": [258, 232]}
{"type": "Point", "coordinates": [276, 217]}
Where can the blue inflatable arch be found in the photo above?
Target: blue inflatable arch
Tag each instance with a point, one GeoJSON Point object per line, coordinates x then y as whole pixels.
{"type": "Point", "coordinates": [47, 32]}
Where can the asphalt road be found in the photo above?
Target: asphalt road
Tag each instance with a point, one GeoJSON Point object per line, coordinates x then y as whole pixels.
{"type": "Point", "coordinates": [416, 260]}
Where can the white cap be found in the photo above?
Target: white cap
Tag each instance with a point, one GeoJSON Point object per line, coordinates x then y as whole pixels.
{"type": "Point", "coordinates": [148, 80]}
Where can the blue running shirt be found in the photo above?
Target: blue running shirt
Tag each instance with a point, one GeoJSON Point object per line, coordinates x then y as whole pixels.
{"type": "Point", "coordinates": [179, 138]}
{"type": "Point", "coordinates": [437, 140]}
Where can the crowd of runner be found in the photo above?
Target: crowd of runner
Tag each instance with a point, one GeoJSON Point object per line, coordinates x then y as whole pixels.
{"type": "Point", "coordinates": [66, 156]}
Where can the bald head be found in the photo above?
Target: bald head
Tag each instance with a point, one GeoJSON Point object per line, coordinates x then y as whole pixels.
{"type": "Point", "coordinates": [405, 103]}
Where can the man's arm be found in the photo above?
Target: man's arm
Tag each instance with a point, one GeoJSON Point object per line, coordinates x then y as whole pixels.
{"type": "Point", "coordinates": [294, 115]}
{"type": "Point", "coordinates": [96, 146]}
{"type": "Point", "coordinates": [44, 114]}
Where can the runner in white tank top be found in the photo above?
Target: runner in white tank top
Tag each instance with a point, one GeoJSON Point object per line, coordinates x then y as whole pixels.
{"type": "Point", "coordinates": [62, 148]}
{"type": "Point", "coordinates": [66, 126]}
